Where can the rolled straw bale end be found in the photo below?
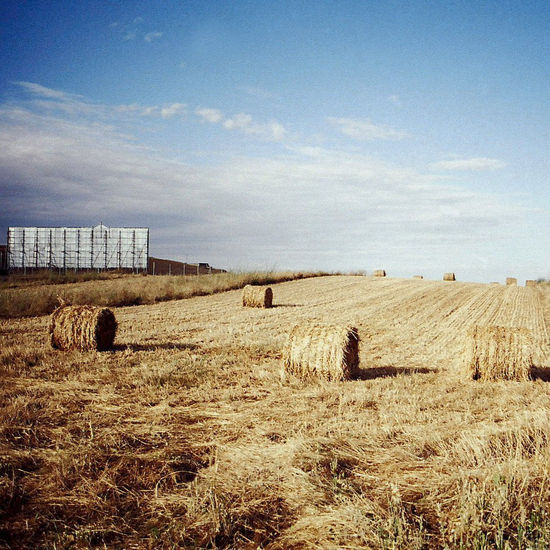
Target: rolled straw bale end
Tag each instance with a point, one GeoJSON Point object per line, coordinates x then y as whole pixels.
{"type": "Point", "coordinates": [499, 353]}
{"type": "Point", "coordinates": [418, 276]}
{"type": "Point", "coordinates": [379, 273]}
{"type": "Point", "coordinates": [83, 328]}
{"type": "Point", "coordinates": [530, 282]}
{"type": "Point", "coordinates": [449, 277]}
{"type": "Point", "coordinates": [511, 281]}
{"type": "Point", "coordinates": [323, 351]}
{"type": "Point", "coordinates": [257, 296]}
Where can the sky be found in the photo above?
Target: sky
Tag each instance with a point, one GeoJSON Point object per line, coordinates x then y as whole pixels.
{"type": "Point", "coordinates": [409, 136]}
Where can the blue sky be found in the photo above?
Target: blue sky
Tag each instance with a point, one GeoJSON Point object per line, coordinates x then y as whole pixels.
{"type": "Point", "coordinates": [410, 136]}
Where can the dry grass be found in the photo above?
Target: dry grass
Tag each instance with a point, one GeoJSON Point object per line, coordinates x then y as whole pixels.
{"type": "Point", "coordinates": [184, 436]}
{"type": "Point", "coordinates": [257, 296]}
{"type": "Point", "coordinates": [119, 290]}
{"type": "Point", "coordinates": [500, 353]}
{"type": "Point", "coordinates": [328, 352]}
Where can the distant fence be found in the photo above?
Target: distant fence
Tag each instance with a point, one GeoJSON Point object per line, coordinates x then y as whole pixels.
{"type": "Point", "coordinates": [158, 266]}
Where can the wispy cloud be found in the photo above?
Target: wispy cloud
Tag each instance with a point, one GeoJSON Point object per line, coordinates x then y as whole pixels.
{"type": "Point", "coordinates": [209, 115]}
{"type": "Point", "coordinates": [173, 109]}
{"type": "Point", "coordinates": [365, 130]}
{"type": "Point", "coordinates": [477, 163]}
{"type": "Point", "coordinates": [129, 35]}
{"type": "Point", "coordinates": [57, 169]}
{"type": "Point", "coordinates": [150, 36]}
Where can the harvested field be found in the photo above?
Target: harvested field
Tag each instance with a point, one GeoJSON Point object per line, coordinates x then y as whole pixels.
{"type": "Point", "coordinates": [184, 435]}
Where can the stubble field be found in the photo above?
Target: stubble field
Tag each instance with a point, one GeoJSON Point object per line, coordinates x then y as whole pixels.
{"type": "Point", "coordinates": [185, 435]}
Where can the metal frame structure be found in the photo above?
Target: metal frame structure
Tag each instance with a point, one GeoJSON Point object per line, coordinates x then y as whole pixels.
{"type": "Point", "coordinates": [79, 248]}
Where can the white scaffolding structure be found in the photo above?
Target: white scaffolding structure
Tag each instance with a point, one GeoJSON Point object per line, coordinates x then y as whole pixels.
{"type": "Point", "coordinates": [64, 248]}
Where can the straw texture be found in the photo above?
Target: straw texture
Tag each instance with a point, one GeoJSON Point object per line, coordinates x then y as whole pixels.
{"type": "Point", "coordinates": [82, 327]}
{"type": "Point", "coordinates": [257, 296]}
{"type": "Point", "coordinates": [329, 352]}
{"type": "Point", "coordinates": [499, 353]}
{"type": "Point", "coordinates": [379, 273]}
{"type": "Point", "coordinates": [511, 281]}
{"type": "Point", "coordinates": [449, 277]}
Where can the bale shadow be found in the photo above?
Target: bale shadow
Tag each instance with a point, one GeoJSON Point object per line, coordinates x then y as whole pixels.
{"type": "Point", "coordinates": [389, 371]}
{"type": "Point", "coordinates": [153, 347]}
{"type": "Point", "coordinates": [286, 305]}
{"type": "Point", "coordinates": [540, 373]}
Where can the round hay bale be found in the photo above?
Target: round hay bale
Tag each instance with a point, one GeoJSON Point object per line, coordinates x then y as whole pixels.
{"type": "Point", "coordinates": [511, 281]}
{"type": "Point", "coordinates": [82, 327]}
{"type": "Point", "coordinates": [499, 353]}
{"type": "Point", "coordinates": [379, 273]}
{"type": "Point", "coordinates": [329, 352]}
{"type": "Point", "coordinates": [449, 277]}
{"type": "Point", "coordinates": [418, 276]}
{"type": "Point", "coordinates": [257, 296]}
{"type": "Point", "coordinates": [530, 282]}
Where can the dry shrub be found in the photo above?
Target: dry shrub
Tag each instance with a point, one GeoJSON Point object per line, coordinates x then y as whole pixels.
{"type": "Point", "coordinates": [379, 273]}
{"type": "Point", "coordinates": [418, 276]}
{"type": "Point", "coordinates": [530, 282]}
{"type": "Point", "coordinates": [511, 281]}
{"type": "Point", "coordinates": [82, 327]}
{"type": "Point", "coordinates": [330, 352]}
{"type": "Point", "coordinates": [449, 277]}
{"type": "Point", "coordinates": [499, 353]}
{"type": "Point", "coordinates": [257, 296]}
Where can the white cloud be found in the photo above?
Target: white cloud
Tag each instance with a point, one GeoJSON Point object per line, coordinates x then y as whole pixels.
{"type": "Point", "coordinates": [138, 20]}
{"type": "Point", "coordinates": [172, 110]}
{"type": "Point", "coordinates": [273, 131]}
{"type": "Point", "coordinates": [241, 121]}
{"type": "Point", "coordinates": [150, 36]}
{"type": "Point", "coordinates": [478, 163]}
{"type": "Point", "coordinates": [307, 207]}
{"type": "Point", "coordinates": [365, 130]}
{"type": "Point", "coordinates": [130, 35]}
{"type": "Point", "coordinates": [209, 115]}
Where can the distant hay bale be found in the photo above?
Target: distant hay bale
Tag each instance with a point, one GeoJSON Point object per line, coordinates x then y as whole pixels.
{"type": "Point", "coordinates": [449, 277]}
{"type": "Point", "coordinates": [257, 296]}
{"type": "Point", "coordinates": [511, 281]}
{"type": "Point", "coordinates": [329, 352]}
{"type": "Point", "coordinates": [499, 353]}
{"type": "Point", "coordinates": [495, 283]}
{"type": "Point", "coordinates": [530, 282]}
{"type": "Point", "coordinates": [379, 273]}
{"type": "Point", "coordinates": [82, 327]}
{"type": "Point", "coordinates": [418, 276]}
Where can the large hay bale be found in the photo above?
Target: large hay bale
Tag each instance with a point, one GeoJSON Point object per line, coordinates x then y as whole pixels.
{"type": "Point", "coordinates": [511, 281]}
{"type": "Point", "coordinates": [379, 273]}
{"type": "Point", "coordinates": [82, 327]}
{"type": "Point", "coordinates": [530, 282]}
{"type": "Point", "coordinates": [499, 353]}
{"type": "Point", "coordinates": [449, 277]}
{"type": "Point", "coordinates": [329, 352]}
{"type": "Point", "coordinates": [418, 276]}
{"type": "Point", "coordinates": [257, 296]}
